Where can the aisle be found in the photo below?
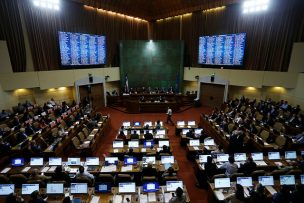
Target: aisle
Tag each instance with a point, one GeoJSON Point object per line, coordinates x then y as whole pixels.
{"type": "Point", "coordinates": [186, 172]}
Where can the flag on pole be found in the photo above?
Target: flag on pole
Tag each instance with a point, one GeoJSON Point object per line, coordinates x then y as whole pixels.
{"type": "Point", "coordinates": [177, 83]}
{"type": "Point", "coordinates": [126, 84]}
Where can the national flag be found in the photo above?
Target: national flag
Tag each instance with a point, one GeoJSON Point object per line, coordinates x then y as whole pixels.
{"type": "Point", "coordinates": [126, 84]}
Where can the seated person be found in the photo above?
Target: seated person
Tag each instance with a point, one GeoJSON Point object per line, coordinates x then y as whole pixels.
{"type": "Point", "coordinates": [158, 125]}
{"type": "Point", "coordinates": [5, 147]}
{"type": "Point", "coordinates": [34, 148]}
{"type": "Point", "coordinates": [121, 135]}
{"type": "Point", "coordinates": [258, 195]}
{"type": "Point", "coordinates": [282, 196]}
{"type": "Point", "coordinates": [179, 198]}
{"type": "Point", "coordinates": [21, 136]}
{"type": "Point", "coordinates": [165, 149]}
{"type": "Point", "coordinates": [210, 167]}
{"type": "Point", "coordinates": [35, 175]}
{"type": "Point", "coordinates": [82, 173]}
{"type": "Point", "coordinates": [148, 136]}
{"type": "Point", "coordinates": [149, 170]}
{"type": "Point", "coordinates": [248, 167]}
{"type": "Point", "coordinates": [238, 196]}
{"type": "Point", "coordinates": [230, 167]}
{"type": "Point", "coordinates": [169, 172]}
{"type": "Point", "coordinates": [61, 175]}
{"type": "Point", "coordinates": [190, 134]}
{"type": "Point", "coordinates": [36, 198]}
{"type": "Point", "coordinates": [134, 135]}
{"type": "Point", "coordinates": [130, 153]}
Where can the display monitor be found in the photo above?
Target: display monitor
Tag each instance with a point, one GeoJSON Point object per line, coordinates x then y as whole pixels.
{"type": "Point", "coordinates": [244, 181]}
{"type": "Point", "coordinates": [72, 161]}
{"type": "Point", "coordinates": [257, 156]}
{"type": "Point", "coordinates": [6, 189]}
{"type": "Point", "coordinates": [302, 179]}
{"type": "Point", "coordinates": [198, 131]}
{"type": "Point", "coordinates": [185, 131]}
{"type": "Point", "coordinates": [149, 159]}
{"type": "Point", "coordinates": [130, 161]}
{"type": "Point", "coordinates": [79, 188]}
{"type": "Point", "coordinates": [128, 187]}
{"type": "Point", "coordinates": [27, 189]}
{"type": "Point", "coordinates": [92, 161]}
{"type": "Point", "coordinates": [36, 161]}
{"type": "Point", "coordinates": [180, 123]}
{"type": "Point", "coordinates": [111, 160]}
{"type": "Point", "coordinates": [126, 124]}
{"type": "Point", "coordinates": [149, 123]}
{"type": "Point", "coordinates": [191, 123]}
{"type": "Point", "coordinates": [55, 161]}
{"type": "Point", "coordinates": [82, 49]}
{"type": "Point", "coordinates": [135, 132]}
{"type": "Point", "coordinates": [133, 144]}
{"type": "Point", "coordinates": [137, 124]}
{"type": "Point", "coordinates": [148, 144]}
{"type": "Point", "coordinates": [151, 187]}
{"type": "Point", "coordinates": [266, 180]}
{"type": "Point", "coordinates": [209, 142]}
{"type": "Point", "coordinates": [54, 188]}
{"type": "Point", "coordinates": [118, 144]}
{"type": "Point", "coordinates": [225, 50]}
{"type": "Point", "coordinates": [103, 187]}
{"type": "Point", "coordinates": [290, 155]}
{"type": "Point", "coordinates": [171, 186]}
{"type": "Point", "coordinates": [240, 156]}
{"type": "Point", "coordinates": [161, 132]}
{"type": "Point", "coordinates": [194, 142]}
{"type": "Point", "coordinates": [222, 183]}
{"type": "Point", "coordinates": [287, 180]}
{"type": "Point", "coordinates": [167, 159]}
{"type": "Point", "coordinates": [161, 143]}
{"type": "Point", "coordinates": [274, 156]}
{"type": "Point", "coordinates": [148, 131]}
{"type": "Point", "coordinates": [18, 162]}
{"type": "Point", "coordinates": [203, 158]}
{"type": "Point", "coordinates": [222, 157]}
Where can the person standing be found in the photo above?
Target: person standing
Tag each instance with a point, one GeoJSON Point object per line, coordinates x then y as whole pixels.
{"type": "Point", "coordinates": [169, 115]}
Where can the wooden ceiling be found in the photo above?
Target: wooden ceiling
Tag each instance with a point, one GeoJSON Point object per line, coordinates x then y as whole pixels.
{"type": "Point", "coordinates": [155, 9]}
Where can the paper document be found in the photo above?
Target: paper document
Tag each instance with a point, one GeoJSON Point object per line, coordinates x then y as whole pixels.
{"type": "Point", "coordinates": [45, 169]}
{"type": "Point", "coordinates": [26, 169]}
{"type": "Point", "coordinates": [95, 199]}
{"type": "Point", "coordinates": [143, 198]}
{"type": "Point", "coordinates": [271, 190]}
{"type": "Point", "coordinates": [117, 199]}
{"type": "Point", "coordinates": [219, 195]}
{"type": "Point", "coordinates": [152, 197]}
{"type": "Point", "coordinates": [167, 196]}
{"type": "Point", "coordinates": [52, 169]}
{"type": "Point", "coordinates": [143, 149]}
{"type": "Point", "coordinates": [196, 148]}
{"type": "Point", "coordinates": [110, 168]}
{"type": "Point", "coordinates": [261, 163]}
{"type": "Point", "coordinates": [126, 168]}
{"type": "Point", "coordinates": [5, 170]}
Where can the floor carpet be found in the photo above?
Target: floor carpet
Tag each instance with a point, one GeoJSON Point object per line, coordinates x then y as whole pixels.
{"type": "Point", "coordinates": [186, 172]}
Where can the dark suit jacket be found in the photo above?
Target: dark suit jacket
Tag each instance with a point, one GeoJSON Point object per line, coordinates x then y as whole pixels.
{"type": "Point", "coordinates": [149, 171]}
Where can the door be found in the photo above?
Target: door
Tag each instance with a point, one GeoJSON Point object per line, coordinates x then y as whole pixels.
{"type": "Point", "coordinates": [212, 95]}
{"type": "Point", "coordinates": [93, 94]}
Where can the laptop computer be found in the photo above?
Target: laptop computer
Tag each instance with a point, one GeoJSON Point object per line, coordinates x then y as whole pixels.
{"type": "Point", "coordinates": [240, 156]}
{"type": "Point", "coordinates": [111, 160]}
{"type": "Point", "coordinates": [126, 124]}
{"type": "Point", "coordinates": [27, 189]}
{"type": "Point", "coordinates": [151, 187]}
{"type": "Point", "coordinates": [36, 161]}
{"type": "Point", "coordinates": [148, 144]}
{"type": "Point", "coordinates": [55, 161]}
{"type": "Point", "coordinates": [6, 189]}
{"type": "Point", "coordinates": [185, 131]}
{"type": "Point", "coordinates": [148, 123]}
{"type": "Point", "coordinates": [161, 132]}
{"type": "Point", "coordinates": [302, 179]}
{"type": "Point", "coordinates": [209, 142]}
{"type": "Point", "coordinates": [128, 187]}
{"type": "Point", "coordinates": [194, 143]}
{"type": "Point", "coordinates": [290, 155]}
{"type": "Point", "coordinates": [161, 143]}
{"type": "Point", "coordinates": [167, 159]}
{"type": "Point", "coordinates": [222, 157]}
{"type": "Point", "coordinates": [222, 183]}
{"type": "Point", "coordinates": [118, 144]}
{"type": "Point", "coordinates": [102, 187]}
{"type": "Point", "coordinates": [287, 180]}
{"type": "Point", "coordinates": [79, 188]}
{"type": "Point", "coordinates": [148, 159]}
{"type": "Point", "coordinates": [54, 189]}
{"type": "Point", "coordinates": [18, 162]}
{"type": "Point", "coordinates": [130, 161]}
{"type": "Point", "coordinates": [133, 144]}
{"type": "Point", "coordinates": [171, 186]}
{"type": "Point", "coordinates": [274, 156]}
{"type": "Point", "coordinates": [92, 163]}
{"type": "Point", "coordinates": [257, 156]}
{"type": "Point", "coordinates": [266, 180]}
{"type": "Point", "coordinates": [180, 123]}
{"type": "Point", "coordinates": [191, 123]}
{"type": "Point", "coordinates": [244, 181]}
{"type": "Point", "coordinates": [73, 161]}
{"type": "Point", "coordinates": [203, 158]}
{"type": "Point", "coordinates": [137, 124]}
{"type": "Point", "coordinates": [198, 131]}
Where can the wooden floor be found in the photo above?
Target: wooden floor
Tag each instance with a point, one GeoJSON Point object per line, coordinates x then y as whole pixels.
{"type": "Point", "coordinates": [186, 172]}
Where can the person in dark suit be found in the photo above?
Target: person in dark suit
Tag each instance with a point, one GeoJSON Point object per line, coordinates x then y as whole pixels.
{"type": "Point", "coordinates": [148, 136]}
{"type": "Point", "coordinates": [282, 196]}
{"type": "Point", "coordinates": [190, 134]}
{"type": "Point", "coordinates": [149, 170]}
{"type": "Point", "coordinates": [134, 135]}
{"type": "Point", "coordinates": [248, 167]}
{"type": "Point", "coordinates": [21, 136]}
{"type": "Point", "coordinates": [165, 149]}
{"type": "Point", "coordinates": [61, 175]}
{"type": "Point", "coordinates": [130, 153]}
{"type": "Point", "coordinates": [258, 195]}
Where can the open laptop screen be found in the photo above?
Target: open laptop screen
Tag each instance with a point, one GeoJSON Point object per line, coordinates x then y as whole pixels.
{"type": "Point", "coordinates": [203, 158]}
{"type": "Point", "coordinates": [73, 161]}
{"type": "Point", "coordinates": [274, 156]}
{"type": "Point", "coordinates": [126, 124]}
{"type": "Point", "coordinates": [130, 161]}
{"type": "Point", "coordinates": [167, 159]}
{"type": "Point", "coordinates": [222, 157]}
{"type": "Point", "coordinates": [36, 161]}
{"type": "Point", "coordinates": [27, 189]}
{"type": "Point", "coordinates": [149, 123]}
{"type": "Point", "coordinates": [244, 181]}
{"type": "Point", "coordinates": [173, 185]}
{"type": "Point", "coordinates": [118, 144]}
{"type": "Point", "coordinates": [54, 188]}
{"type": "Point", "coordinates": [133, 144]}
{"type": "Point", "coordinates": [102, 187]}
{"type": "Point", "coordinates": [185, 131]}
{"type": "Point", "coordinates": [191, 123]}
{"type": "Point", "coordinates": [194, 143]}
{"type": "Point", "coordinates": [161, 143]}
{"type": "Point", "coordinates": [239, 156]}
{"type": "Point", "coordinates": [111, 160]}
{"type": "Point", "coordinates": [290, 155]}
{"type": "Point", "coordinates": [258, 156]}
{"type": "Point", "coordinates": [55, 161]}
{"type": "Point", "coordinates": [137, 124]}
{"type": "Point", "coordinates": [222, 182]}
{"type": "Point", "coordinates": [209, 141]}
{"type": "Point", "coordinates": [287, 180]}
{"type": "Point", "coordinates": [180, 123]}
{"type": "Point", "coordinates": [148, 144]}
{"type": "Point", "coordinates": [18, 162]}
{"type": "Point", "coordinates": [92, 161]}
{"type": "Point", "coordinates": [128, 187]}
{"type": "Point", "coordinates": [148, 159]}
{"type": "Point", "coordinates": [161, 132]}
{"type": "Point", "coordinates": [6, 189]}
{"type": "Point", "coordinates": [79, 188]}
{"type": "Point", "coordinates": [266, 180]}
{"type": "Point", "coordinates": [198, 131]}
{"type": "Point", "coordinates": [151, 187]}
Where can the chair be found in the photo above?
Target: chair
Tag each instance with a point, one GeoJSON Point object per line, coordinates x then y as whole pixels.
{"type": "Point", "coordinates": [4, 179]}
{"type": "Point", "coordinates": [278, 126]}
{"type": "Point", "coordinates": [105, 178]}
{"type": "Point", "coordinates": [231, 127]}
{"type": "Point", "coordinates": [259, 117]}
{"type": "Point", "coordinates": [84, 180]}
{"type": "Point", "coordinates": [295, 172]}
{"type": "Point", "coordinates": [222, 175]}
{"type": "Point", "coordinates": [85, 132]}
{"type": "Point", "coordinates": [81, 136]}
{"type": "Point", "coordinates": [264, 135]}
{"type": "Point", "coordinates": [235, 175]}
{"type": "Point", "coordinates": [121, 178]}
{"type": "Point", "coordinates": [18, 180]}
{"type": "Point", "coordinates": [279, 142]}
{"type": "Point", "coordinates": [40, 182]}
{"type": "Point", "coordinates": [149, 179]}
{"type": "Point", "coordinates": [76, 142]}
{"type": "Point", "coordinates": [257, 173]}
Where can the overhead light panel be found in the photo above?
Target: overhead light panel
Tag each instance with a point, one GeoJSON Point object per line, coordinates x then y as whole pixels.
{"type": "Point", "coordinates": [47, 4]}
{"type": "Point", "coordinates": [253, 6]}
